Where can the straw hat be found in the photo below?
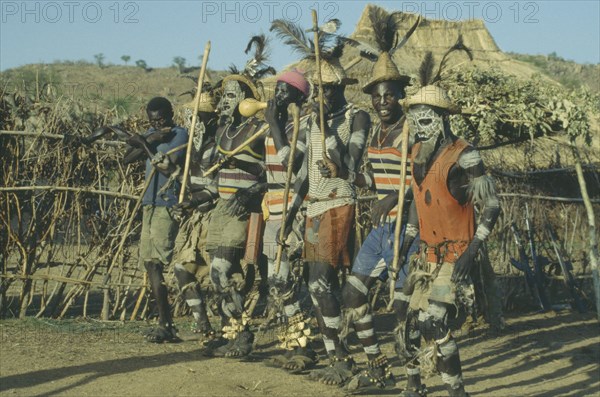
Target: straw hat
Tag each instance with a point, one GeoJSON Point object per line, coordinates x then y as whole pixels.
{"type": "Point", "coordinates": [206, 103]}
{"type": "Point", "coordinates": [385, 70]}
{"type": "Point", "coordinates": [244, 80]}
{"type": "Point", "coordinates": [332, 72]}
{"type": "Point", "coordinates": [433, 96]}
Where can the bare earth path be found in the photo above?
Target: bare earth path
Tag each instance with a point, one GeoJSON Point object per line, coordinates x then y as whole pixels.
{"type": "Point", "coordinates": [539, 355]}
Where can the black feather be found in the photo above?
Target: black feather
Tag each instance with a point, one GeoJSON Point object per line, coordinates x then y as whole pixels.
{"type": "Point", "coordinates": [385, 27]}
{"type": "Point", "coordinates": [334, 52]}
{"type": "Point", "coordinates": [233, 69]}
{"type": "Point", "coordinates": [426, 69]}
{"type": "Point", "coordinates": [458, 46]}
{"type": "Point", "coordinates": [260, 52]}
{"type": "Point", "coordinates": [265, 71]}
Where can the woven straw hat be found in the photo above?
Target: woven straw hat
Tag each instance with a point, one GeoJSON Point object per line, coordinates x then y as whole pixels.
{"type": "Point", "coordinates": [332, 72]}
{"type": "Point", "coordinates": [433, 96]}
{"type": "Point", "coordinates": [244, 80]}
{"type": "Point", "coordinates": [385, 70]}
{"type": "Point", "coordinates": [205, 104]}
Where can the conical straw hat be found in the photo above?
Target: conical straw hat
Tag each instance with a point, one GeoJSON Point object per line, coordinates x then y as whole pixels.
{"type": "Point", "coordinates": [205, 104]}
{"type": "Point", "coordinates": [385, 70]}
{"type": "Point", "coordinates": [244, 80]}
{"type": "Point", "coordinates": [433, 96]}
{"type": "Point", "coordinates": [332, 72]}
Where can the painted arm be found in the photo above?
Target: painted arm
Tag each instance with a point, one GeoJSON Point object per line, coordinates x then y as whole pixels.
{"type": "Point", "coordinates": [300, 192]}
{"type": "Point", "coordinates": [481, 192]}
{"type": "Point", "coordinates": [412, 229]}
{"type": "Point", "coordinates": [349, 157]}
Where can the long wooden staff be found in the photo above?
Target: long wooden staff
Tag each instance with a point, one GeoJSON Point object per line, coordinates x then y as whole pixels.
{"type": "Point", "coordinates": [288, 182]}
{"type": "Point", "coordinates": [188, 154]}
{"type": "Point", "coordinates": [320, 82]}
{"type": "Point", "coordinates": [235, 151]}
{"type": "Point", "coordinates": [401, 193]}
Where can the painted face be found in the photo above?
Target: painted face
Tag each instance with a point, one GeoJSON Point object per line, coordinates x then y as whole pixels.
{"type": "Point", "coordinates": [384, 98]}
{"type": "Point", "coordinates": [232, 96]}
{"type": "Point", "coordinates": [333, 97]}
{"type": "Point", "coordinates": [425, 122]}
{"type": "Point", "coordinates": [159, 119]}
{"type": "Point", "coordinates": [285, 94]}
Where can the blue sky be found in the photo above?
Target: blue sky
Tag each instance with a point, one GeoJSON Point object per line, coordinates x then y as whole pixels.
{"type": "Point", "coordinates": [156, 31]}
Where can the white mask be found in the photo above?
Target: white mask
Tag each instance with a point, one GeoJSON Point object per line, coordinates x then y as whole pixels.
{"type": "Point", "coordinates": [232, 96]}
{"type": "Point", "coordinates": [425, 122]}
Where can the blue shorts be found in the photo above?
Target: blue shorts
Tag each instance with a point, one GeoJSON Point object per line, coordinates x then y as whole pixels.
{"type": "Point", "coordinates": [377, 254]}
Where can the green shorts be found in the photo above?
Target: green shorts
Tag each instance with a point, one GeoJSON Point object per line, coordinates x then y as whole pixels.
{"type": "Point", "coordinates": [190, 245]}
{"type": "Point", "coordinates": [159, 231]}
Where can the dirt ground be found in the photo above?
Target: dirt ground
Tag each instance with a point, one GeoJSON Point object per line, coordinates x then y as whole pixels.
{"type": "Point", "coordinates": [549, 354]}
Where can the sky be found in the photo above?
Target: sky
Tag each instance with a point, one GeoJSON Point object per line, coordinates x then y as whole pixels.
{"type": "Point", "coordinates": [156, 31]}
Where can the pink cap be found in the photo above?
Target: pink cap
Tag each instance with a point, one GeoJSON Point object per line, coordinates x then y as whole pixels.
{"type": "Point", "coordinates": [296, 79]}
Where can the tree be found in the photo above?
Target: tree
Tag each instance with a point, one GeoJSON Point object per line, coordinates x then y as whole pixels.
{"type": "Point", "coordinates": [99, 60]}
{"type": "Point", "coordinates": [125, 58]}
{"type": "Point", "coordinates": [180, 63]}
{"type": "Point", "coordinates": [140, 63]}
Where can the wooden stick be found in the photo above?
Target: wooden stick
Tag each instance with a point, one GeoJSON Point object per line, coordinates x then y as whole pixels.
{"type": "Point", "coordinates": [593, 250]}
{"type": "Point", "coordinates": [188, 154]}
{"type": "Point", "coordinates": [235, 151]}
{"type": "Point", "coordinates": [548, 198]}
{"type": "Point", "coordinates": [57, 136]}
{"type": "Point", "coordinates": [401, 193]}
{"type": "Point", "coordinates": [320, 81]}
{"type": "Point", "coordinates": [68, 189]}
{"type": "Point", "coordinates": [288, 182]}
{"type": "Point", "coordinates": [140, 298]}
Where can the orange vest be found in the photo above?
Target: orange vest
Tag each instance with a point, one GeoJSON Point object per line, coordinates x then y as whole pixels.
{"type": "Point", "coordinates": [445, 226]}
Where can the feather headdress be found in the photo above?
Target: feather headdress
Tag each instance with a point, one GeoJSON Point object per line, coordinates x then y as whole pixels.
{"type": "Point", "coordinates": [255, 67]}
{"type": "Point", "coordinates": [385, 28]}
{"type": "Point", "coordinates": [429, 93]}
{"type": "Point", "coordinates": [426, 75]}
{"type": "Point", "coordinates": [331, 47]}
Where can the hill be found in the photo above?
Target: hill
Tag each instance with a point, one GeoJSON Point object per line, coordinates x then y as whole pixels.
{"type": "Point", "coordinates": [127, 88]}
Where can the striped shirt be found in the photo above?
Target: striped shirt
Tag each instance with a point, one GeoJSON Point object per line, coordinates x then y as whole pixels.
{"type": "Point", "coordinates": [233, 179]}
{"type": "Point", "coordinates": [277, 172]}
{"type": "Point", "coordinates": [328, 193]}
{"type": "Point", "coordinates": [386, 163]}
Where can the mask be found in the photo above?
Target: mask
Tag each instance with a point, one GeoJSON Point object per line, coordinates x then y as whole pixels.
{"type": "Point", "coordinates": [232, 96]}
{"type": "Point", "coordinates": [424, 122]}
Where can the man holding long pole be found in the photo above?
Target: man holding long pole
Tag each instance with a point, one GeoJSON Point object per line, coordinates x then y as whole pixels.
{"type": "Point", "coordinates": [387, 152]}
{"type": "Point", "coordinates": [335, 142]}
{"type": "Point", "coordinates": [241, 185]}
{"type": "Point", "coordinates": [194, 211]}
{"type": "Point", "coordinates": [285, 148]}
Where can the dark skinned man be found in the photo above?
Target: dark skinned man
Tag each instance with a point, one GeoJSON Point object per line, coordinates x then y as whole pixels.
{"type": "Point", "coordinates": [386, 88]}
{"type": "Point", "coordinates": [292, 87]}
{"type": "Point", "coordinates": [448, 181]}
{"type": "Point", "coordinates": [327, 183]}
{"type": "Point", "coordinates": [159, 227]}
